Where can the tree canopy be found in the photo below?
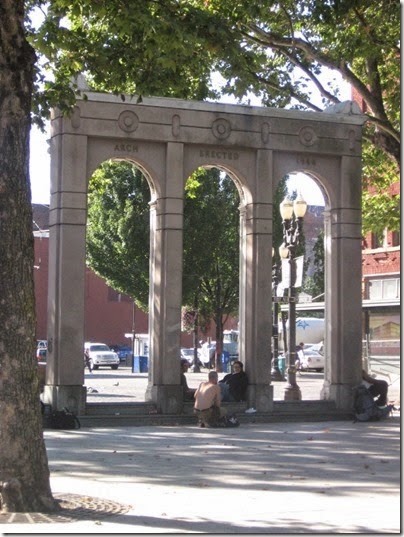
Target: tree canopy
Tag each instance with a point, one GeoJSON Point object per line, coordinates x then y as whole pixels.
{"type": "Point", "coordinates": [288, 53]}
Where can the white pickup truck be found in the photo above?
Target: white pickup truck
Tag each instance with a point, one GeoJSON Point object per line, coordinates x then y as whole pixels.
{"type": "Point", "coordinates": [100, 355]}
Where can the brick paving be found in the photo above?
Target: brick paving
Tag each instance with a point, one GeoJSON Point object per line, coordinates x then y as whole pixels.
{"type": "Point", "coordinates": [73, 507]}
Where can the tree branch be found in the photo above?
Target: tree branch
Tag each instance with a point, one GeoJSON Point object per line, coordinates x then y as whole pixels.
{"type": "Point", "coordinates": [282, 44]}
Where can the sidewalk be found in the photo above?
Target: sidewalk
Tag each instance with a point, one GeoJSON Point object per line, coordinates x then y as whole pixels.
{"type": "Point", "coordinates": [329, 477]}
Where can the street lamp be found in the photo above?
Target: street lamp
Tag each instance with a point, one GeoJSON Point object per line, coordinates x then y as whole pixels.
{"type": "Point", "coordinates": [292, 228]}
{"type": "Point", "coordinates": [275, 371]}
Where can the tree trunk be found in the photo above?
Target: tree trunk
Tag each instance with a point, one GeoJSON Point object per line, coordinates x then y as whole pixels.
{"type": "Point", "coordinates": [24, 473]}
{"type": "Point", "coordinates": [219, 343]}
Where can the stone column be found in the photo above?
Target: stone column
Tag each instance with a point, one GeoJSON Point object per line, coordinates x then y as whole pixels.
{"type": "Point", "coordinates": [325, 392]}
{"type": "Point", "coordinates": [67, 231]}
{"type": "Point", "coordinates": [343, 301]}
{"type": "Point", "coordinates": [166, 288]}
{"type": "Point", "coordinates": [256, 287]}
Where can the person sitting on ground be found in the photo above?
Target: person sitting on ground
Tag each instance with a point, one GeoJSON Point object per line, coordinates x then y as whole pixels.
{"type": "Point", "coordinates": [207, 402]}
{"type": "Point", "coordinates": [233, 387]}
{"type": "Point", "coordinates": [378, 388]}
{"type": "Point", "coordinates": [188, 393]}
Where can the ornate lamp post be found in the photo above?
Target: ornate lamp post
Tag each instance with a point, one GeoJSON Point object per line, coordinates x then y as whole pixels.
{"type": "Point", "coordinates": [292, 228]}
{"type": "Point", "coordinates": [275, 372]}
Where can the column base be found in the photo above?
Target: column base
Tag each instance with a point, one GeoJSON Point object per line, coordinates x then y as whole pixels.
{"type": "Point", "coordinates": [276, 375]}
{"type": "Point", "coordinates": [167, 398]}
{"type": "Point", "coordinates": [71, 397]}
{"type": "Point", "coordinates": [261, 397]}
{"type": "Point", "coordinates": [342, 394]}
{"type": "Point", "coordinates": [292, 393]}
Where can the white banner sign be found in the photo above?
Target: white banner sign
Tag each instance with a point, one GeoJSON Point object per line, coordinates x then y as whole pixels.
{"type": "Point", "coordinates": [286, 272]}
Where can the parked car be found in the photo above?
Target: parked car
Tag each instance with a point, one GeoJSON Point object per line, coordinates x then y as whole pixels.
{"type": "Point", "coordinates": [41, 354]}
{"type": "Point", "coordinates": [123, 351]}
{"type": "Point", "coordinates": [41, 369]}
{"type": "Point", "coordinates": [101, 355]}
{"type": "Point", "coordinates": [319, 347]}
{"type": "Point", "coordinates": [188, 354]}
{"type": "Point", "coordinates": [312, 360]}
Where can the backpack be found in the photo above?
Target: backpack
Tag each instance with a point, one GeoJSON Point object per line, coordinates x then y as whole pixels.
{"type": "Point", "coordinates": [232, 421]}
{"type": "Point", "coordinates": [64, 419]}
{"type": "Point", "coordinates": [228, 421]}
{"type": "Point", "coordinates": [222, 421]}
{"type": "Point", "coordinates": [365, 407]}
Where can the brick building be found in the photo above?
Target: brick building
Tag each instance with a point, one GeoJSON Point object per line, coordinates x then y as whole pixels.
{"type": "Point", "coordinates": [381, 267]}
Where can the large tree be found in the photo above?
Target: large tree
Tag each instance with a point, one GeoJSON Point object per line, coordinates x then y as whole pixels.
{"type": "Point", "coordinates": [24, 473]}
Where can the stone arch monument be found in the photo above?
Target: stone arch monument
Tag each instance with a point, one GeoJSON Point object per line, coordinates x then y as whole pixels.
{"type": "Point", "coordinates": [169, 139]}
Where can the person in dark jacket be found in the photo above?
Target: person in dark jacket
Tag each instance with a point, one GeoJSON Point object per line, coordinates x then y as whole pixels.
{"type": "Point", "coordinates": [378, 388]}
{"type": "Point", "coordinates": [233, 386]}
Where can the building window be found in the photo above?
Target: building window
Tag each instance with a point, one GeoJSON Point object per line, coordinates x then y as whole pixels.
{"type": "Point", "coordinates": [377, 240]}
{"type": "Point", "coordinates": [384, 289]}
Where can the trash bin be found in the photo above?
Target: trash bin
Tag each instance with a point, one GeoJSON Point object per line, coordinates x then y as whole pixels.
{"type": "Point", "coordinates": [225, 360]}
{"type": "Point", "coordinates": [143, 365]}
{"type": "Point", "coordinates": [282, 365]}
{"type": "Point", "coordinates": [135, 364]}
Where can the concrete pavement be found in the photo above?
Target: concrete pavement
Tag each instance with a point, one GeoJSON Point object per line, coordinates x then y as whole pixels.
{"type": "Point", "coordinates": [329, 477]}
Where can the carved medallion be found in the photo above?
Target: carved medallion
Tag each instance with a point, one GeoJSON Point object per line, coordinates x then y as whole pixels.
{"type": "Point", "coordinates": [128, 121]}
{"type": "Point", "coordinates": [307, 136]}
{"type": "Point", "coordinates": [221, 129]}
